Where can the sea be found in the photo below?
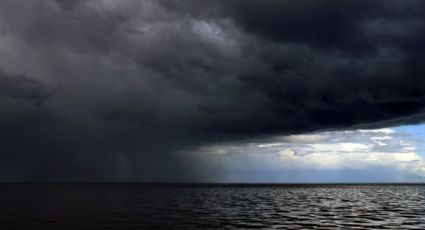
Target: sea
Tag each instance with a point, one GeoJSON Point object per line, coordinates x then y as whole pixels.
{"type": "Point", "coordinates": [212, 206]}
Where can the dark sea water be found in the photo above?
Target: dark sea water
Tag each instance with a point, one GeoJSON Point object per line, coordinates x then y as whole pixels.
{"type": "Point", "coordinates": [135, 206]}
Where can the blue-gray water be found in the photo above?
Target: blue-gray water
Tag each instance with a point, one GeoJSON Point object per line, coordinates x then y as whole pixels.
{"type": "Point", "coordinates": [133, 206]}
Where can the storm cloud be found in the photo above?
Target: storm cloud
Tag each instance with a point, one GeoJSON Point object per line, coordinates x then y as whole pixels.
{"type": "Point", "coordinates": [104, 90]}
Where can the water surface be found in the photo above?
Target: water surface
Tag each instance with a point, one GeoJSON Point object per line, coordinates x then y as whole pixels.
{"type": "Point", "coordinates": [136, 206]}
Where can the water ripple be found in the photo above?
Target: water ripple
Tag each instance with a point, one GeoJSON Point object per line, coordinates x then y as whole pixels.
{"type": "Point", "coordinates": [103, 206]}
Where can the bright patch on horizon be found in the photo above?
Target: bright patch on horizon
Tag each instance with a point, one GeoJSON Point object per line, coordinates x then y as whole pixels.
{"type": "Point", "coordinates": [388, 150]}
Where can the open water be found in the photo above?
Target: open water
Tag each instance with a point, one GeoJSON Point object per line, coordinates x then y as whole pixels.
{"type": "Point", "coordinates": [138, 206]}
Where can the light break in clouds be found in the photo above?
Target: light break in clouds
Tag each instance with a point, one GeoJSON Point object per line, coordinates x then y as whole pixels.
{"type": "Point", "coordinates": [385, 155]}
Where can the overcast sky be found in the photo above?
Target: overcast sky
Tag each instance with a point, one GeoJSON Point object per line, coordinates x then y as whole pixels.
{"type": "Point", "coordinates": [105, 90]}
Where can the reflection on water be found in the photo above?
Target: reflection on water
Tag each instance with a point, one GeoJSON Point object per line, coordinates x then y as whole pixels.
{"type": "Point", "coordinates": [132, 206]}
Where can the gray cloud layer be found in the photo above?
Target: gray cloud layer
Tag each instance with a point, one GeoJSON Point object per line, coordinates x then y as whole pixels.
{"type": "Point", "coordinates": [107, 90]}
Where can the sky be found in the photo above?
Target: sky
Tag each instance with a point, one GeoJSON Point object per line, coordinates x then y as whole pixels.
{"type": "Point", "coordinates": [385, 155]}
{"type": "Point", "coordinates": [184, 90]}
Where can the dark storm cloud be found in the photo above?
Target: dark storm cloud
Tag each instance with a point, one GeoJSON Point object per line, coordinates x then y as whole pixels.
{"type": "Point", "coordinates": [331, 25]}
{"type": "Point", "coordinates": [110, 90]}
{"type": "Point", "coordinates": [22, 88]}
